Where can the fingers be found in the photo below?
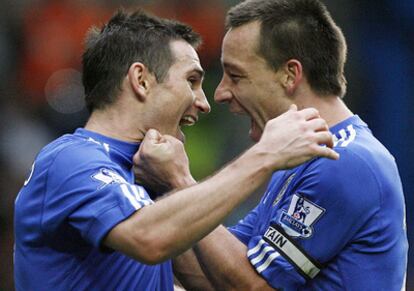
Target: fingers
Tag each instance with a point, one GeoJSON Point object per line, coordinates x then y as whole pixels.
{"type": "Point", "coordinates": [330, 142]}
{"type": "Point", "coordinates": [324, 138]}
{"type": "Point", "coordinates": [327, 153]}
{"type": "Point", "coordinates": [152, 136]}
{"type": "Point", "coordinates": [309, 113]}
{"type": "Point", "coordinates": [171, 139]}
{"type": "Point", "coordinates": [318, 124]}
{"type": "Point", "coordinates": [293, 107]}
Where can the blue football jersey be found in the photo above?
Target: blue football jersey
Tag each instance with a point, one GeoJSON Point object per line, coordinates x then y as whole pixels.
{"type": "Point", "coordinates": [332, 225]}
{"type": "Point", "coordinates": [80, 187]}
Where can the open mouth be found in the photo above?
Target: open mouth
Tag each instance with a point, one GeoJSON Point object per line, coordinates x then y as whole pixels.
{"type": "Point", "coordinates": [188, 120]}
{"type": "Point", "coordinates": [255, 131]}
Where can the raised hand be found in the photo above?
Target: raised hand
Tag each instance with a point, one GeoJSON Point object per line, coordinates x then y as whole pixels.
{"type": "Point", "coordinates": [296, 137]}
{"type": "Point", "coordinates": [161, 163]}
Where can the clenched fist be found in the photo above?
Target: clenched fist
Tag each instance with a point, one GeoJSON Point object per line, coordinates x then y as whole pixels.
{"type": "Point", "coordinates": [161, 163]}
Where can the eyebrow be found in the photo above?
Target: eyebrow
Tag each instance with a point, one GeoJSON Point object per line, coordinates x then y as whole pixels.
{"type": "Point", "coordinates": [232, 66]}
{"type": "Point", "coordinates": [199, 71]}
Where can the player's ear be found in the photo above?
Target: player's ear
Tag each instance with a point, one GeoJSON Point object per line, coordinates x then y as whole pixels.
{"type": "Point", "coordinates": [139, 80]}
{"type": "Point", "coordinates": [293, 74]}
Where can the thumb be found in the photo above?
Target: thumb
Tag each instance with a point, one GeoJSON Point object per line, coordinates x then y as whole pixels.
{"type": "Point", "coordinates": [152, 136]}
{"type": "Point", "coordinates": [293, 107]}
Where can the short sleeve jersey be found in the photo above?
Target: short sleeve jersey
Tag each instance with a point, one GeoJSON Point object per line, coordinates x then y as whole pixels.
{"type": "Point", "coordinates": [80, 187]}
{"type": "Point", "coordinates": [332, 225]}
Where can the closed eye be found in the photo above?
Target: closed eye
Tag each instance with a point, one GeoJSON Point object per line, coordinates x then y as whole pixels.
{"type": "Point", "coordinates": [233, 72]}
{"type": "Point", "coordinates": [195, 79]}
{"type": "Point", "coordinates": [235, 77]}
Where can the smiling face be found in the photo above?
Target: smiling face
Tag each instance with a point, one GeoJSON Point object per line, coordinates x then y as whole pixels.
{"type": "Point", "coordinates": [178, 99]}
{"type": "Point", "coordinates": [249, 85]}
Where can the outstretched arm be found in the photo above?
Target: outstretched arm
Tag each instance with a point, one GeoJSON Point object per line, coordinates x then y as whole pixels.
{"type": "Point", "coordinates": [172, 225]}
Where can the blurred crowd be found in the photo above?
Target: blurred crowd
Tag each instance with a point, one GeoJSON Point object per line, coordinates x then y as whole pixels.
{"type": "Point", "coordinates": [41, 94]}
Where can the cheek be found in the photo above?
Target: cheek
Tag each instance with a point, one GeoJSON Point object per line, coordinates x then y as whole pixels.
{"type": "Point", "coordinates": [247, 95]}
{"type": "Point", "coordinates": [177, 107]}
{"type": "Point", "coordinates": [266, 94]}
{"type": "Point", "coordinates": [241, 92]}
{"type": "Point", "coordinates": [181, 99]}
{"type": "Point", "coordinates": [186, 99]}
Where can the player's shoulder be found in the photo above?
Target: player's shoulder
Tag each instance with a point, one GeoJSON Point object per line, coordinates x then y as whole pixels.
{"type": "Point", "coordinates": [356, 177]}
{"type": "Point", "coordinates": [360, 152]}
{"type": "Point", "coordinates": [71, 149]}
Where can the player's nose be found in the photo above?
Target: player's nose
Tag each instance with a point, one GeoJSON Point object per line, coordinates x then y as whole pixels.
{"type": "Point", "coordinates": [201, 102]}
{"type": "Point", "coordinates": [222, 93]}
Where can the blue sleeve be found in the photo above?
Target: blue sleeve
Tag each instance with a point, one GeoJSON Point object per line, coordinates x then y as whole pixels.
{"type": "Point", "coordinates": [86, 192]}
{"type": "Point", "coordinates": [244, 228]}
{"type": "Point", "coordinates": [329, 204]}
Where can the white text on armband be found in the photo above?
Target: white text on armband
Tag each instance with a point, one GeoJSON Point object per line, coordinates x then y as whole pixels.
{"type": "Point", "coordinates": [291, 251]}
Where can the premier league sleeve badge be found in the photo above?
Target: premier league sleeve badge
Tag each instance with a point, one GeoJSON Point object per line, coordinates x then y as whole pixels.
{"type": "Point", "coordinates": [300, 217]}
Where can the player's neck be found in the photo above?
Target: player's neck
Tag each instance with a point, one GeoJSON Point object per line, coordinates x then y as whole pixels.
{"type": "Point", "coordinates": [115, 123]}
{"type": "Point", "coordinates": [331, 108]}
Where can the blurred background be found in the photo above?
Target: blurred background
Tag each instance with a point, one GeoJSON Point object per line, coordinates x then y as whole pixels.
{"type": "Point", "coordinates": [41, 95]}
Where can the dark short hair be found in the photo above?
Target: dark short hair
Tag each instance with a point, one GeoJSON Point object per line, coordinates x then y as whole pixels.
{"type": "Point", "coordinates": [125, 39]}
{"type": "Point", "coordinates": [302, 30]}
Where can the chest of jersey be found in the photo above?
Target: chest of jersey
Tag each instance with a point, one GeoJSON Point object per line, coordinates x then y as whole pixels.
{"type": "Point", "coordinates": [276, 200]}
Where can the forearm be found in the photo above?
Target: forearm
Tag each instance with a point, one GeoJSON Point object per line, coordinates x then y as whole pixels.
{"type": "Point", "coordinates": [189, 214]}
{"type": "Point", "coordinates": [173, 224]}
{"type": "Point", "coordinates": [188, 271]}
{"type": "Point", "coordinates": [223, 259]}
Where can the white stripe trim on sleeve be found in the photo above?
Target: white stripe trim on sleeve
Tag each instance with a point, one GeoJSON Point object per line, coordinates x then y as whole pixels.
{"type": "Point", "coordinates": [266, 264]}
{"type": "Point", "coordinates": [137, 193]}
{"type": "Point", "coordinates": [130, 197]}
{"type": "Point", "coordinates": [262, 254]}
{"type": "Point", "coordinates": [256, 248]}
{"type": "Point", "coordinates": [141, 192]}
